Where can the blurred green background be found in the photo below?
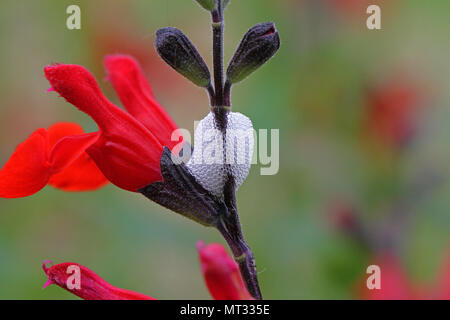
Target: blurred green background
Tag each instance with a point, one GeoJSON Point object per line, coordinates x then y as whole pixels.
{"type": "Point", "coordinates": [318, 90]}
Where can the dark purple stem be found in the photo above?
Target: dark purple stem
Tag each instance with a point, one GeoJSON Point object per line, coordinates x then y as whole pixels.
{"type": "Point", "coordinates": [230, 228]}
{"type": "Point", "coordinates": [217, 26]}
{"type": "Point", "coordinates": [229, 225]}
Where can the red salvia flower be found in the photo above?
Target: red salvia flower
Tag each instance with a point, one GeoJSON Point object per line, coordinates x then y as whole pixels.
{"type": "Point", "coordinates": [221, 273]}
{"type": "Point", "coordinates": [91, 286]}
{"type": "Point", "coordinates": [127, 149]}
{"type": "Point", "coordinates": [127, 152]}
{"type": "Point", "coordinates": [55, 156]}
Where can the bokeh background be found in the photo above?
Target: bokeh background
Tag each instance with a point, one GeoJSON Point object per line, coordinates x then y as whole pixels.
{"type": "Point", "coordinates": [364, 146]}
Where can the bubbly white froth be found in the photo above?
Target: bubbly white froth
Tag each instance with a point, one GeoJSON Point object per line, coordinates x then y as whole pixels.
{"type": "Point", "coordinates": [213, 160]}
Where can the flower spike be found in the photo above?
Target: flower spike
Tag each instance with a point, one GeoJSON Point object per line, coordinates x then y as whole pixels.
{"type": "Point", "coordinates": [221, 177]}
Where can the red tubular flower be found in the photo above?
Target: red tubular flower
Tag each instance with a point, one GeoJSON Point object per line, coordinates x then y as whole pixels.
{"type": "Point", "coordinates": [91, 286]}
{"type": "Point", "coordinates": [129, 146]}
{"type": "Point", "coordinates": [221, 273]}
{"type": "Point", "coordinates": [55, 156]}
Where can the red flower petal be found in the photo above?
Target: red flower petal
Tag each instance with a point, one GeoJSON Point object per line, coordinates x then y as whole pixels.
{"type": "Point", "coordinates": [27, 171]}
{"type": "Point", "coordinates": [83, 174]}
{"type": "Point", "coordinates": [69, 149]}
{"type": "Point", "coordinates": [90, 285]}
{"type": "Point", "coordinates": [60, 130]}
{"type": "Point", "coordinates": [221, 273]}
{"type": "Point", "coordinates": [126, 152]}
{"type": "Point", "coordinates": [57, 157]}
{"type": "Point", "coordinates": [136, 95]}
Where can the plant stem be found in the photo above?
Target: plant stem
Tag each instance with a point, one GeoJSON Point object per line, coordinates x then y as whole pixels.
{"type": "Point", "coordinates": [244, 257]}
{"type": "Point", "coordinates": [230, 228]}
{"type": "Point", "coordinates": [229, 225]}
{"type": "Point", "coordinates": [217, 26]}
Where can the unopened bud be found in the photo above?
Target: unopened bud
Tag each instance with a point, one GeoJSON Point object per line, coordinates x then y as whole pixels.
{"type": "Point", "coordinates": [207, 4]}
{"type": "Point", "coordinates": [259, 44]}
{"type": "Point", "coordinates": [177, 50]}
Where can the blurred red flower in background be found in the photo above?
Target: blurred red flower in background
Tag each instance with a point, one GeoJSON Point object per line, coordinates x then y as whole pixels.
{"type": "Point", "coordinates": [392, 112]}
{"type": "Point", "coordinates": [221, 274]}
{"type": "Point", "coordinates": [394, 282]}
{"type": "Point", "coordinates": [396, 285]}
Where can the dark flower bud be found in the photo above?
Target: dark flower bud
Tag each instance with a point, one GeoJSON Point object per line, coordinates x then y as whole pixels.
{"type": "Point", "coordinates": [207, 4]}
{"type": "Point", "coordinates": [177, 50]}
{"type": "Point", "coordinates": [259, 44]}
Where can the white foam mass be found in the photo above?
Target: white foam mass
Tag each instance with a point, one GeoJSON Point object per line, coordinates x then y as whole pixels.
{"type": "Point", "coordinates": [212, 159]}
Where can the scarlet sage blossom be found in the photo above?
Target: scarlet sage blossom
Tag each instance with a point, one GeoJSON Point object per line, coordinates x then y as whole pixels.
{"type": "Point", "coordinates": [220, 272]}
{"type": "Point", "coordinates": [127, 148]}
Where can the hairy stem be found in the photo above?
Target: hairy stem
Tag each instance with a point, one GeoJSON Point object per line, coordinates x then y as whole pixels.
{"type": "Point", "coordinates": [229, 225]}
{"type": "Point", "coordinates": [217, 26]}
{"type": "Point", "coordinates": [230, 228]}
